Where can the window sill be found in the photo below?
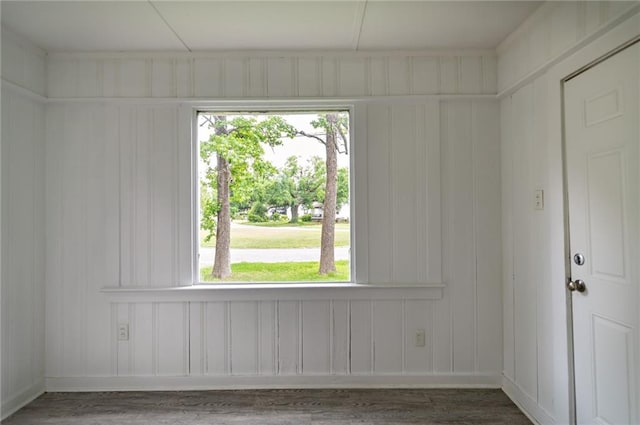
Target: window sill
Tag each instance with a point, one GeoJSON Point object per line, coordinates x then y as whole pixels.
{"type": "Point", "coordinates": [275, 292]}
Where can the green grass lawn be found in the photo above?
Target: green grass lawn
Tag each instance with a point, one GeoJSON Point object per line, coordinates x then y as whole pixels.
{"type": "Point", "coordinates": [279, 236]}
{"type": "Point", "coordinates": [280, 272]}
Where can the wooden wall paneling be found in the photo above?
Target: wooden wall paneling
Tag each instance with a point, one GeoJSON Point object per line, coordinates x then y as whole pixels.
{"type": "Point", "coordinates": [257, 78]}
{"type": "Point", "coordinates": [53, 242]}
{"type": "Point", "coordinates": [352, 76]}
{"type": "Point", "coordinates": [379, 193]}
{"type": "Point", "coordinates": [39, 253]}
{"type": "Point", "coordinates": [171, 330]}
{"type": "Point", "coordinates": [197, 348]}
{"type": "Point", "coordinates": [185, 76]}
{"type": "Point", "coordinates": [361, 343]}
{"type": "Point", "coordinates": [235, 77]}
{"type": "Point", "coordinates": [490, 74]}
{"type": "Point", "coordinates": [471, 74]}
{"type": "Point", "coordinates": [127, 192]}
{"type": "Point", "coordinates": [135, 78]}
{"type": "Point", "coordinates": [564, 26]}
{"type": "Point", "coordinates": [525, 290]}
{"type": "Point", "coordinates": [23, 264]}
{"type": "Point", "coordinates": [418, 317]}
{"type": "Point", "coordinates": [340, 350]}
{"type": "Point", "coordinates": [400, 74]}
{"type": "Point", "coordinates": [289, 332]}
{"type": "Point", "coordinates": [443, 331]}
{"type": "Point", "coordinates": [111, 75]}
{"type": "Point", "coordinates": [143, 336]}
{"type": "Point", "coordinates": [388, 323]}
{"type": "Point", "coordinates": [74, 215]}
{"type": "Point", "coordinates": [403, 212]}
{"type": "Point", "coordinates": [486, 157]}
{"type": "Point", "coordinates": [449, 75]}
{"type": "Point", "coordinates": [280, 73]}
{"type": "Point", "coordinates": [425, 75]}
{"type": "Point", "coordinates": [142, 195]}
{"type": "Point", "coordinates": [87, 79]}
{"type": "Point", "coordinates": [317, 333]}
{"type": "Point", "coordinates": [208, 76]}
{"type": "Point", "coordinates": [545, 281]}
{"type": "Point", "coordinates": [102, 229]}
{"type": "Point", "coordinates": [163, 78]}
{"type": "Point", "coordinates": [309, 77]}
{"type": "Point", "coordinates": [329, 74]}
{"type": "Point", "coordinates": [459, 167]}
{"type": "Point", "coordinates": [244, 338]}
{"type": "Point", "coordinates": [429, 193]}
{"type": "Point", "coordinates": [507, 165]}
{"type": "Point", "coordinates": [379, 76]}
{"type": "Point", "coordinates": [539, 49]}
{"type": "Point", "coordinates": [164, 196]}
{"type": "Point", "coordinates": [215, 338]}
{"type": "Point", "coordinates": [267, 351]}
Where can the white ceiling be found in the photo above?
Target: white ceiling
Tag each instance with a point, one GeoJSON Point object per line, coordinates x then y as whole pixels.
{"type": "Point", "coordinates": [264, 25]}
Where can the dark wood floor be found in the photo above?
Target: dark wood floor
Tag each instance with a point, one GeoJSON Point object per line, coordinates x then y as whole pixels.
{"type": "Point", "coordinates": [270, 407]}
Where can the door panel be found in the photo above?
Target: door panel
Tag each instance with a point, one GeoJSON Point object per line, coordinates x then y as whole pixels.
{"type": "Point", "coordinates": [602, 138]}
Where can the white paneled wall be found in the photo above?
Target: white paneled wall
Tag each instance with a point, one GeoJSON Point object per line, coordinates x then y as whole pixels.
{"type": "Point", "coordinates": [427, 196]}
{"type": "Point", "coordinates": [23, 234]}
{"type": "Point", "coordinates": [114, 220]}
{"type": "Point", "coordinates": [217, 76]}
{"type": "Point", "coordinates": [554, 31]}
{"type": "Point", "coordinates": [557, 40]}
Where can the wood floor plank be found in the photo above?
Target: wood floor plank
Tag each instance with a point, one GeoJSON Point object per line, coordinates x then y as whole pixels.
{"type": "Point", "coordinates": [274, 407]}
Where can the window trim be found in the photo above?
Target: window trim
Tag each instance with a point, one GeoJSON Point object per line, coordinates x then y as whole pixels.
{"type": "Point", "coordinates": [268, 106]}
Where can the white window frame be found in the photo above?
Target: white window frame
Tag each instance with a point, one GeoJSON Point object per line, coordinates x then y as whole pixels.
{"type": "Point", "coordinates": [269, 107]}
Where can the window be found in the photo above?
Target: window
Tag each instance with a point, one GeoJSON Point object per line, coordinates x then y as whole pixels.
{"type": "Point", "coordinates": [274, 196]}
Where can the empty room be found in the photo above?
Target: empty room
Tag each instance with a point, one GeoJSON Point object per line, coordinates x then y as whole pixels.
{"type": "Point", "coordinates": [320, 212]}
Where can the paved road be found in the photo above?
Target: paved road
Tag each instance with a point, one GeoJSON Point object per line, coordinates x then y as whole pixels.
{"type": "Point", "coordinates": [271, 255]}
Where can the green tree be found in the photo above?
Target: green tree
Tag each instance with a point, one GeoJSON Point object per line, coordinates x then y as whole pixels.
{"type": "Point", "coordinates": [335, 126]}
{"type": "Point", "coordinates": [234, 159]}
{"type": "Point", "coordinates": [297, 185]}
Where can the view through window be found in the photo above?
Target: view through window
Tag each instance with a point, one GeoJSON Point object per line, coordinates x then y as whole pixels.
{"type": "Point", "coordinates": [274, 197]}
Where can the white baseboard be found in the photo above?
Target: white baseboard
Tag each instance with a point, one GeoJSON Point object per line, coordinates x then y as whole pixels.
{"type": "Point", "coordinates": [172, 383]}
{"type": "Point", "coordinates": [526, 403]}
{"type": "Point", "coordinates": [24, 397]}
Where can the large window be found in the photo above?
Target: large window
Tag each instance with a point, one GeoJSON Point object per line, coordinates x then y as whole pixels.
{"type": "Point", "coordinates": [274, 196]}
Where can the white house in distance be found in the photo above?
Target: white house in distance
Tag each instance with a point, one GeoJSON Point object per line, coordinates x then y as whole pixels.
{"type": "Point", "coordinates": [494, 190]}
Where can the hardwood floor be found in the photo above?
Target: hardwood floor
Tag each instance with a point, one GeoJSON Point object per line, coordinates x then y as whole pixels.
{"type": "Point", "coordinates": [271, 407]}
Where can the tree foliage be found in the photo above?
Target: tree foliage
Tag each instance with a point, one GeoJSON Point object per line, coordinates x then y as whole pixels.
{"type": "Point", "coordinates": [234, 164]}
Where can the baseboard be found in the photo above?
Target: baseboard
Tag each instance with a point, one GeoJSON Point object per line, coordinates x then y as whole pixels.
{"type": "Point", "coordinates": [172, 383]}
{"type": "Point", "coordinates": [18, 401]}
{"type": "Point", "coordinates": [526, 403]}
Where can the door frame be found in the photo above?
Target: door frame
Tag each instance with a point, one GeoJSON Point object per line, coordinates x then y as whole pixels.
{"type": "Point", "coordinates": [566, 220]}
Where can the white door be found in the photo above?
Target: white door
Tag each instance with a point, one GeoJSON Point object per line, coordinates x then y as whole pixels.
{"type": "Point", "coordinates": [602, 146]}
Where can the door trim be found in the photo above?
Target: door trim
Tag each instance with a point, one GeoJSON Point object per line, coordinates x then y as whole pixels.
{"type": "Point", "coordinates": [565, 201]}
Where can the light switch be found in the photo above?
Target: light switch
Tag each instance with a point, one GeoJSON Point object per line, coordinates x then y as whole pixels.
{"type": "Point", "coordinates": [539, 199]}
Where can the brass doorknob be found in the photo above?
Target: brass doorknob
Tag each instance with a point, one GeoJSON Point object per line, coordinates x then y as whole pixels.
{"type": "Point", "coordinates": [576, 285]}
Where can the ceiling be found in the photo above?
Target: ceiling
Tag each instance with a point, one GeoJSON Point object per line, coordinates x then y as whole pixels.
{"type": "Point", "coordinates": [264, 25]}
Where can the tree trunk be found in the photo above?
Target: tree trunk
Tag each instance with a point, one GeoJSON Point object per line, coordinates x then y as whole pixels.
{"type": "Point", "coordinates": [327, 241]}
{"type": "Point", "coordinates": [222, 261]}
{"type": "Point", "coordinates": [294, 213]}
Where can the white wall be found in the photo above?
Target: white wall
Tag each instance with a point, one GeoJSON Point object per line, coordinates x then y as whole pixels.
{"type": "Point", "coordinates": [427, 199]}
{"type": "Point", "coordinates": [558, 39]}
{"type": "Point", "coordinates": [23, 279]}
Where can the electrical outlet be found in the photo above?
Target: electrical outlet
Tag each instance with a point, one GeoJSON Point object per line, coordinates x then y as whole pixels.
{"type": "Point", "coordinates": [419, 339]}
{"type": "Point", "coordinates": [123, 332]}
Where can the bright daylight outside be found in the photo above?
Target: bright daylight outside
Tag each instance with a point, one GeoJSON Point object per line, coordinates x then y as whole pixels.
{"type": "Point", "coordinates": [274, 197]}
